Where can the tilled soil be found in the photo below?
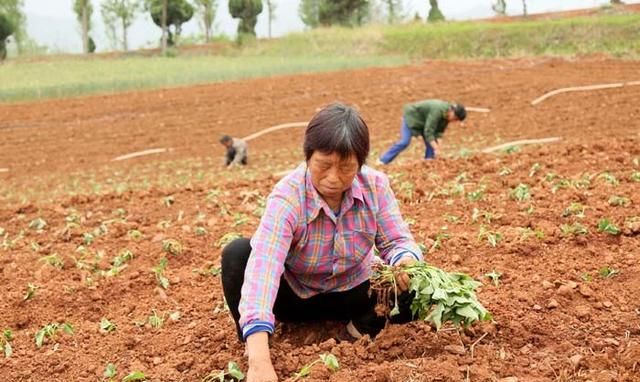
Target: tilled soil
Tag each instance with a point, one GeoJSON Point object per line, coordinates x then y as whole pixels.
{"type": "Point", "coordinates": [566, 307]}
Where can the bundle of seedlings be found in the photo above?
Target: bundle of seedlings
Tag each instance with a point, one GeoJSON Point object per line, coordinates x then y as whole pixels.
{"type": "Point", "coordinates": [439, 296]}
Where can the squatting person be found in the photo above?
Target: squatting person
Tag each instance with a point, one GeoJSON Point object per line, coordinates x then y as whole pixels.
{"type": "Point", "coordinates": [428, 119]}
{"type": "Point", "coordinates": [311, 256]}
{"type": "Point", "coordinates": [236, 151]}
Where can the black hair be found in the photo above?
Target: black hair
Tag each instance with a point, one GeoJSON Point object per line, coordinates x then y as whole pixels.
{"type": "Point", "coordinates": [459, 111]}
{"type": "Point", "coordinates": [225, 139]}
{"type": "Point", "coordinates": [337, 128]}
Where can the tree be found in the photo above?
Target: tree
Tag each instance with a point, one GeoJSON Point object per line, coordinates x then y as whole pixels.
{"type": "Point", "coordinates": [247, 11]}
{"type": "Point", "coordinates": [84, 10]}
{"type": "Point", "coordinates": [206, 9]}
{"type": "Point", "coordinates": [435, 14]}
{"type": "Point", "coordinates": [6, 29]}
{"type": "Point", "coordinates": [308, 11]}
{"type": "Point", "coordinates": [271, 13]}
{"type": "Point", "coordinates": [394, 10]}
{"type": "Point", "coordinates": [121, 12]}
{"type": "Point", "coordinates": [178, 12]}
{"type": "Point", "coordinates": [500, 7]}
{"type": "Point", "coordinates": [12, 10]}
{"type": "Point", "coordinates": [617, 2]}
{"type": "Point", "coordinates": [343, 12]}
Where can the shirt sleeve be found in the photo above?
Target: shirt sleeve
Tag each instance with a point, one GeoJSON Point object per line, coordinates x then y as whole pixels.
{"type": "Point", "coordinates": [431, 126]}
{"type": "Point", "coordinates": [269, 248]}
{"type": "Point", "coordinates": [393, 238]}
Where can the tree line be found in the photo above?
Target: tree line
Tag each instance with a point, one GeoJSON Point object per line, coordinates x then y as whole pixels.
{"type": "Point", "coordinates": [170, 15]}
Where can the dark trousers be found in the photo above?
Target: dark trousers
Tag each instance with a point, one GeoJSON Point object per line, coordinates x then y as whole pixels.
{"type": "Point", "coordinates": [231, 155]}
{"type": "Point", "coordinates": [356, 304]}
{"type": "Point", "coordinates": [403, 143]}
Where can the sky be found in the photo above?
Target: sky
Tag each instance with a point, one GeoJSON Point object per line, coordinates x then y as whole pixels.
{"type": "Point", "coordinates": [53, 23]}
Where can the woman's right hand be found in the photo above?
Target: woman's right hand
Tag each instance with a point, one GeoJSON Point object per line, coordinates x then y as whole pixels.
{"type": "Point", "coordinates": [261, 371]}
{"type": "Point", "coordinates": [260, 366]}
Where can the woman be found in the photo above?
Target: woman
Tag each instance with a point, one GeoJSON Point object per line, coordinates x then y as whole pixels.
{"type": "Point", "coordinates": [310, 258]}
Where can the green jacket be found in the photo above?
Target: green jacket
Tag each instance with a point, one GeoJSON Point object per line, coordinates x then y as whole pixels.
{"type": "Point", "coordinates": [427, 118]}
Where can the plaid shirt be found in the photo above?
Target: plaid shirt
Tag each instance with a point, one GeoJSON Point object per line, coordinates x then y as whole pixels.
{"type": "Point", "coordinates": [302, 239]}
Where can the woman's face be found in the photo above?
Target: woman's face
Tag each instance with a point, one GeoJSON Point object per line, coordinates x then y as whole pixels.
{"type": "Point", "coordinates": [332, 175]}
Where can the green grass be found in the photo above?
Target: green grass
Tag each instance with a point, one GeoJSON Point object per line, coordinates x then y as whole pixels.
{"type": "Point", "coordinates": [320, 50]}
{"type": "Point", "coordinates": [73, 77]}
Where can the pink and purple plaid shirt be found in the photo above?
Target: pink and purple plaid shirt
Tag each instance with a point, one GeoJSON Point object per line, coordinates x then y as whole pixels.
{"type": "Point", "coordinates": [302, 239]}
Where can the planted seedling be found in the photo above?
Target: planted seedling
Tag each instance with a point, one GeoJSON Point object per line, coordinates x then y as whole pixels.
{"type": "Point", "coordinates": [604, 225]}
{"type": "Point", "coordinates": [88, 238]}
{"type": "Point", "coordinates": [5, 343]}
{"type": "Point", "coordinates": [534, 169]}
{"type": "Point", "coordinates": [452, 218]}
{"type": "Point", "coordinates": [492, 237]}
{"type": "Point", "coordinates": [172, 246]}
{"type": "Point", "coordinates": [608, 272]}
{"type": "Point", "coordinates": [123, 257]}
{"type": "Point", "coordinates": [504, 171]}
{"type": "Point", "coordinates": [520, 193]}
{"type": "Point", "coordinates": [168, 201]}
{"type": "Point", "coordinates": [440, 237]}
{"type": "Point", "coordinates": [38, 224]}
{"type": "Point", "coordinates": [31, 292]}
{"type": "Point", "coordinates": [50, 331]}
{"type": "Point", "coordinates": [110, 371]}
{"type": "Point", "coordinates": [135, 376]}
{"type": "Point", "coordinates": [329, 360]}
{"type": "Point", "coordinates": [573, 229]}
{"type": "Point", "coordinates": [156, 321]}
{"type": "Point", "coordinates": [54, 260]}
{"type": "Point", "coordinates": [158, 270]}
{"type": "Point", "coordinates": [200, 231]}
{"type": "Point", "coordinates": [135, 234]}
{"type": "Point", "coordinates": [609, 178]}
{"type": "Point", "coordinates": [576, 209]}
{"type": "Point", "coordinates": [107, 326]}
{"type": "Point", "coordinates": [239, 219]}
{"type": "Point", "coordinates": [233, 373]}
{"type": "Point", "coordinates": [439, 296]}
{"type": "Point", "coordinates": [635, 176]}
{"type": "Point", "coordinates": [619, 201]}
{"type": "Point", "coordinates": [494, 276]}
{"type": "Point", "coordinates": [227, 238]}
{"type": "Point", "coordinates": [586, 277]}
{"type": "Point", "coordinates": [476, 195]}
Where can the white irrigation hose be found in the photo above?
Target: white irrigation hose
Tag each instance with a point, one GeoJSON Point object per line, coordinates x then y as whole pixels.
{"type": "Point", "coordinates": [141, 153]}
{"type": "Point", "coordinates": [520, 143]}
{"type": "Point", "coordinates": [275, 128]}
{"type": "Point", "coordinates": [4, 170]}
{"type": "Point", "coordinates": [478, 109]}
{"type": "Point", "coordinates": [582, 89]}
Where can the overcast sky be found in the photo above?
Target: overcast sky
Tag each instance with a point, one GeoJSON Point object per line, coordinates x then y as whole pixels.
{"type": "Point", "coordinates": [52, 22]}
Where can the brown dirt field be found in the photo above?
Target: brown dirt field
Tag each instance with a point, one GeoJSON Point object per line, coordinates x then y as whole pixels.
{"type": "Point", "coordinates": [556, 318]}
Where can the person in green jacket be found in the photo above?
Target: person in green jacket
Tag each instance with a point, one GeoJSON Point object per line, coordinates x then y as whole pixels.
{"type": "Point", "coordinates": [428, 119]}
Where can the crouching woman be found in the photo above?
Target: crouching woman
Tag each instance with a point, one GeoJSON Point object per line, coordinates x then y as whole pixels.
{"type": "Point", "coordinates": [310, 258]}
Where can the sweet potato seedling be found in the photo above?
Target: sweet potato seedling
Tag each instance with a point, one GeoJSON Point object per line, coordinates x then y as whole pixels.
{"type": "Point", "coordinates": [329, 360]}
{"type": "Point", "coordinates": [439, 296]}
{"type": "Point", "coordinates": [54, 260]}
{"type": "Point", "coordinates": [50, 331]}
{"type": "Point", "coordinates": [134, 234]}
{"type": "Point", "coordinates": [607, 272]}
{"type": "Point", "coordinates": [504, 171]}
{"type": "Point", "coordinates": [232, 374]}
{"type": "Point", "coordinates": [38, 224]}
{"type": "Point", "coordinates": [110, 372]}
{"type": "Point", "coordinates": [476, 195]}
{"type": "Point", "coordinates": [227, 238]}
{"type": "Point", "coordinates": [158, 270]}
{"type": "Point", "coordinates": [492, 237]}
{"type": "Point", "coordinates": [31, 292]}
{"type": "Point", "coordinates": [573, 229]}
{"type": "Point", "coordinates": [5, 343]}
{"type": "Point", "coordinates": [172, 247]}
{"type": "Point", "coordinates": [134, 376]}
{"type": "Point", "coordinates": [619, 201]}
{"type": "Point", "coordinates": [107, 326]}
{"type": "Point", "coordinates": [494, 276]}
{"type": "Point", "coordinates": [575, 209]}
{"type": "Point", "coordinates": [608, 178]}
{"type": "Point", "coordinates": [606, 226]}
{"type": "Point", "coordinates": [534, 169]}
{"type": "Point", "coordinates": [520, 193]}
{"type": "Point", "coordinates": [200, 231]}
{"type": "Point", "coordinates": [635, 176]}
{"type": "Point", "coordinates": [155, 320]}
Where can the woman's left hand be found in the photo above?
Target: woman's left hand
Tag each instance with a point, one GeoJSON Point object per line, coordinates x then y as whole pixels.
{"type": "Point", "coordinates": [403, 279]}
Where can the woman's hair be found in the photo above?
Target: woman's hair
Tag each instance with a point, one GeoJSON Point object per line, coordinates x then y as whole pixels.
{"type": "Point", "coordinates": [340, 129]}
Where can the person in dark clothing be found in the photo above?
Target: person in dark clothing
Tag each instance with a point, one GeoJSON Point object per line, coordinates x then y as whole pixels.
{"type": "Point", "coordinates": [428, 119]}
{"type": "Point", "coordinates": [236, 151]}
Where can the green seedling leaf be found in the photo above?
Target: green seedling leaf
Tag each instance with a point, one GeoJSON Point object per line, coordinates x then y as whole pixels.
{"type": "Point", "coordinates": [607, 272]}
{"type": "Point", "coordinates": [234, 371]}
{"type": "Point", "coordinates": [134, 376]}
{"type": "Point", "coordinates": [31, 292]}
{"type": "Point", "coordinates": [107, 326]}
{"type": "Point", "coordinates": [330, 361]}
{"type": "Point", "coordinates": [110, 371]}
{"type": "Point", "coordinates": [604, 225]}
{"type": "Point", "coordinates": [172, 247]}
{"type": "Point", "coordinates": [135, 234]}
{"type": "Point", "coordinates": [520, 193]}
{"type": "Point", "coordinates": [38, 224]}
{"type": "Point", "coordinates": [494, 276]}
{"type": "Point", "coordinates": [5, 343]}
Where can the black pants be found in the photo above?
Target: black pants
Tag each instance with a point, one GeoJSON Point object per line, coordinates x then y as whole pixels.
{"type": "Point", "coordinates": [231, 155]}
{"type": "Point", "coordinates": [355, 304]}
